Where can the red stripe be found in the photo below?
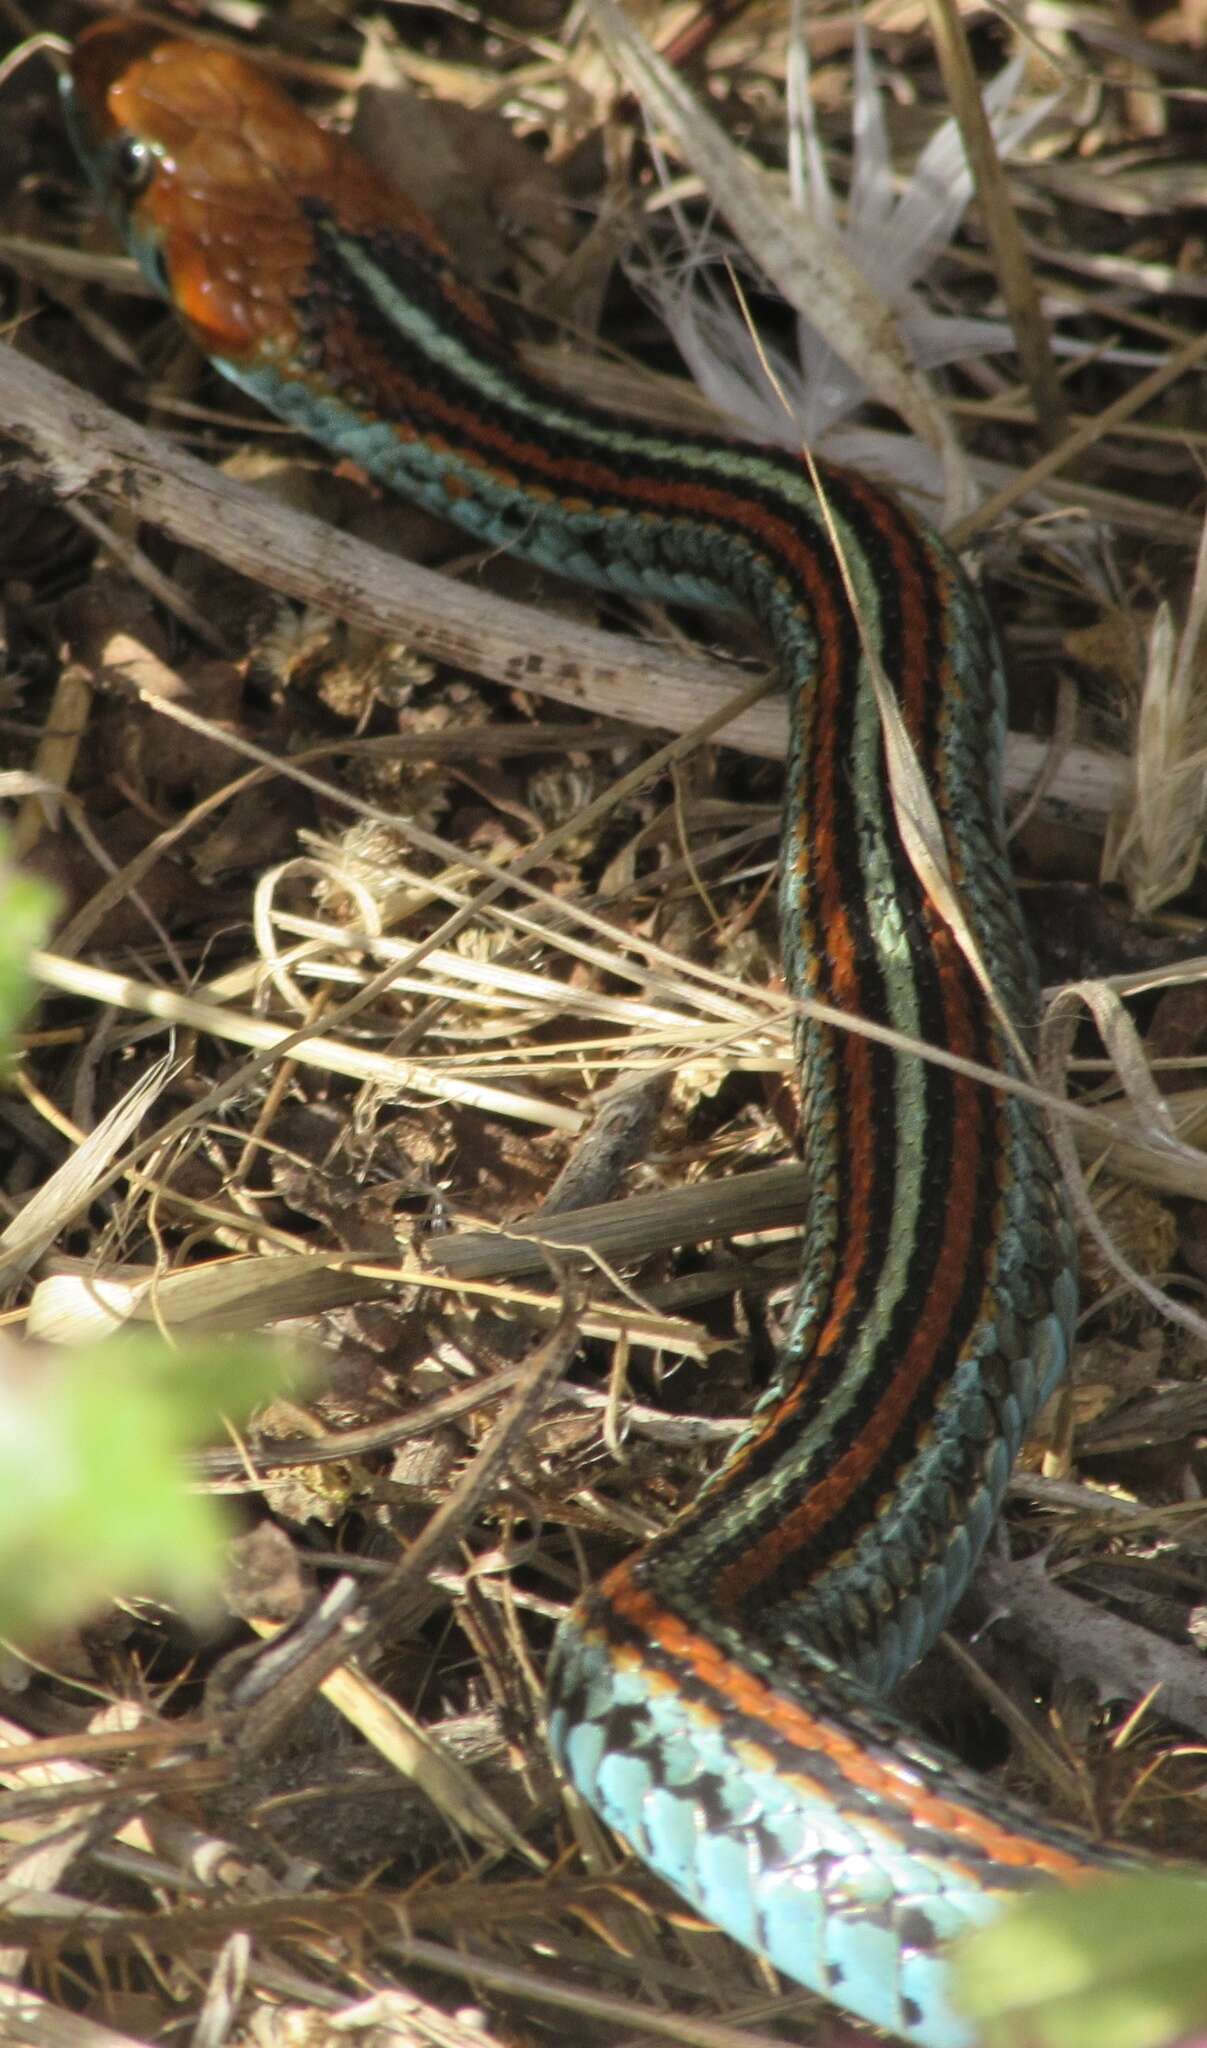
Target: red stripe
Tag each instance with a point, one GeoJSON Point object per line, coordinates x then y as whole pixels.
{"type": "Point", "coordinates": [893, 1785]}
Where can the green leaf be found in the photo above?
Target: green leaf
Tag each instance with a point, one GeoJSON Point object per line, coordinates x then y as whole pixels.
{"type": "Point", "coordinates": [93, 1502]}
{"type": "Point", "coordinates": [1117, 1963]}
{"type": "Point", "coordinates": [26, 911]}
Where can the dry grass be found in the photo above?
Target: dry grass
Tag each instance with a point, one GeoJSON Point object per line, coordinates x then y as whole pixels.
{"type": "Point", "coordinates": [431, 956]}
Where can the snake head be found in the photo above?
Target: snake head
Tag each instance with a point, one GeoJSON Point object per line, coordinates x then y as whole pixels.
{"type": "Point", "coordinates": [191, 150]}
{"type": "Point", "coordinates": [222, 188]}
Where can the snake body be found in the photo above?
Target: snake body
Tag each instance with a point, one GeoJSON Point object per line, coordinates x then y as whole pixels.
{"type": "Point", "coordinates": [718, 1698]}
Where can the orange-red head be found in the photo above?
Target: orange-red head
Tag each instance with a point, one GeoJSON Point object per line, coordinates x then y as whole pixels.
{"type": "Point", "coordinates": [207, 166]}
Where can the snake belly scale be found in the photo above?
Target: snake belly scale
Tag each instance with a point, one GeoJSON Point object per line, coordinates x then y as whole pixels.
{"type": "Point", "coordinates": [718, 1698]}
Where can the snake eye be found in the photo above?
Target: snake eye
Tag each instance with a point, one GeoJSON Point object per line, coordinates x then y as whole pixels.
{"type": "Point", "coordinates": [133, 166]}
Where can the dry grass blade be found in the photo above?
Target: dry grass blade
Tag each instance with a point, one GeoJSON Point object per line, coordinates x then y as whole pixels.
{"type": "Point", "coordinates": [914, 807]}
{"type": "Point", "coordinates": [1120, 1036]}
{"type": "Point", "coordinates": [98, 985]}
{"type": "Point", "coordinates": [31, 2021]}
{"type": "Point", "coordinates": [1155, 841]}
{"type": "Point", "coordinates": [810, 269]}
{"type": "Point", "coordinates": [1002, 229]}
{"type": "Point", "coordinates": [74, 1185]}
{"type": "Point", "coordinates": [410, 1750]}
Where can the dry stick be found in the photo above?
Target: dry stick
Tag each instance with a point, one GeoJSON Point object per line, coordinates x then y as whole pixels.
{"type": "Point", "coordinates": [60, 741]}
{"type": "Point", "coordinates": [999, 220]}
{"type": "Point", "coordinates": [257, 1716]}
{"type": "Point", "coordinates": [81, 445]}
{"type": "Point", "coordinates": [626, 2019]}
{"type": "Point", "coordinates": [365, 1440]}
{"type": "Point", "coordinates": [536, 1382]}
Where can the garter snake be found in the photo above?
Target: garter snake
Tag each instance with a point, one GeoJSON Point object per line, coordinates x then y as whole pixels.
{"type": "Point", "coordinates": [718, 1698]}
